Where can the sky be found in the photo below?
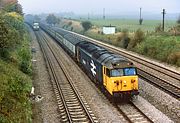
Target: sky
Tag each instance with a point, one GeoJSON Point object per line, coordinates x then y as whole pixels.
{"type": "Point", "coordinates": [96, 6]}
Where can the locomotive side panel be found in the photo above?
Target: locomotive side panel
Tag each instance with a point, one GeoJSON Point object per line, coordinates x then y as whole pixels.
{"type": "Point", "coordinates": [92, 67]}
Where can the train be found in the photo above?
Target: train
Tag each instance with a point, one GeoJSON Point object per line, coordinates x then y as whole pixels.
{"type": "Point", "coordinates": [35, 26]}
{"type": "Point", "coordinates": [111, 72]}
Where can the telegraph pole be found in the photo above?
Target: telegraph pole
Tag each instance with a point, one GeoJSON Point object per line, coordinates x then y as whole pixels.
{"type": "Point", "coordinates": [104, 13]}
{"type": "Point", "coordinates": [140, 17]}
{"type": "Point", "coordinates": [163, 12]}
{"type": "Point", "coordinates": [140, 13]}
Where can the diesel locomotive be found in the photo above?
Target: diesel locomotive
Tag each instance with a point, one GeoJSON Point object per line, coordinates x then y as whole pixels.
{"type": "Point", "coordinates": [35, 26]}
{"type": "Point", "coordinates": [114, 73]}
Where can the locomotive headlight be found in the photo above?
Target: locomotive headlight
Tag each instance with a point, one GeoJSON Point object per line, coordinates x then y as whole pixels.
{"type": "Point", "coordinates": [116, 82]}
{"type": "Point", "coordinates": [124, 82]}
{"type": "Point", "coordinates": [133, 81]}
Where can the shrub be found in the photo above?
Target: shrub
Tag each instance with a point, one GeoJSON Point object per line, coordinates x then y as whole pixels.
{"type": "Point", "coordinates": [70, 23]}
{"type": "Point", "coordinates": [178, 20]}
{"type": "Point", "coordinates": [163, 48]}
{"type": "Point", "coordinates": [174, 58]}
{"type": "Point", "coordinates": [4, 53]}
{"type": "Point", "coordinates": [86, 25]}
{"type": "Point", "coordinates": [24, 67]}
{"type": "Point", "coordinates": [158, 28]}
{"type": "Point", "coordinates": [139, 36]}
{"type": "Point", "coordinates": [14, 88]}
{"type": "Point", "coordinates": [140, 21]}
{"type": "Point", "coordinates": [123, 39]}
{"type": "Point", "coordinates": [125, 42]}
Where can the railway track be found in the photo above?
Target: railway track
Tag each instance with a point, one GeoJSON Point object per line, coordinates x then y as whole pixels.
{"type": "Point", "coordinates": [133, 114]}
{"type": "Point", "coordinates": [156, 80]}
{"type": "Point", "coordinates": [72, 105]}
{"type": "Point", "coordinates": [161, 82]}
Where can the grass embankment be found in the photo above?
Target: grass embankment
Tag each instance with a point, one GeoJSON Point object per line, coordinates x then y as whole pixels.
{"type": "Point", "coordinates": [161, 46]}
{"type": "Point", "coordinates": [15, 70]}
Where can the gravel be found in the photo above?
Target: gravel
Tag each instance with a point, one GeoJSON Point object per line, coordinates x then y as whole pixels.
{"type": "Point", "coordinates": [162, 101]}
{"type": "Point", "coordinates": [99, 104]}
{"type": "Point", "coordinates": [154, 114]}
{"type": "Point", "coordinates": [46, 110]}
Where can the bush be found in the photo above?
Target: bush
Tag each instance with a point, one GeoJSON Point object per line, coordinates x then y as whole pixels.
{"type": "Point", "coordinates": [24, 56]}
{"type": "Point", "coordinates": [174, 58]}
{"type": "Point", "coordinates": [86, 25]}
{"type": "Point", "coordinates": [24, 67]}
{"type": "Point", "coordinates": [123, 39]}
{"type": "Point", "coordinates": [4, 53]}
{"type": "Point", "coordinates": [178, 21]}
{"type": "Point", "coordinates": [158, 28]}
{"type": "Point", "coordinates": [162, 48]}
{"type": "Point", "coordinates": [139, 36]}
{"type": "Point", "coordinates": [14, 88]}
{"type": "Point", "coordinates": [140, 21]}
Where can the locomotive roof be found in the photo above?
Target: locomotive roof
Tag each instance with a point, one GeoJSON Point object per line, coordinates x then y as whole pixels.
{"type": "Point", "coordinates": [103, 56]}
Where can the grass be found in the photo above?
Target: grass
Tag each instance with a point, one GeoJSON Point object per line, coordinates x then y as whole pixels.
{"type": "Point", "coordinates": [162, 46]}
{"type": "Point", "coordinates": [133, 25]}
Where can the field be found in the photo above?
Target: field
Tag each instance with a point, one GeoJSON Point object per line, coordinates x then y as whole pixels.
{"type": "Point", "coordinates": [163, 46]}
{"type": "Point", "coordinates": [132, 25]}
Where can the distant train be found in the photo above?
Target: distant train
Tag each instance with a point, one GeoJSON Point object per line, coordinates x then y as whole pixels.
{"type": "Point", "coordinates": [112, 72]}
{"type": "Point", "coordinates": [35, 26]}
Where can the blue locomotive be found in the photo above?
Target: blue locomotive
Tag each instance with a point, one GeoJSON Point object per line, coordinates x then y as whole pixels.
{"type": "Point", "coordinates": [114, 73]}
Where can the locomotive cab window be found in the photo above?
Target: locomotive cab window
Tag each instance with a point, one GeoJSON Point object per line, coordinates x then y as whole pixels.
{"type": "Point", "coordinates": [116, 72]}
{"type": "Point", "coordinates": [123, 72]}
{"type": "Point", "coordinates": [129, 71]}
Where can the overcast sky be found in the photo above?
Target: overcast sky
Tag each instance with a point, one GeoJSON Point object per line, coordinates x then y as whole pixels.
{"type": "Point", "coordinates": [96, 6]}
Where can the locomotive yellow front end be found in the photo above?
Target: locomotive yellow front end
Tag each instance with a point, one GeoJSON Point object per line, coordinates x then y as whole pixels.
{"type": "Point", "coordinates": [121, 80]}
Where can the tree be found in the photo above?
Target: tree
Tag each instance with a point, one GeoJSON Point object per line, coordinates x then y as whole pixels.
{"type": "Point", "coordinates": [52, 19]}
{"type": "Point", "coordinates": [139, 36]}
{"type": "Point", "coordinates": [11, 25]}
{"type": "Point", "coordinates": [37, 18]}
{"type": "Point", "coordinates": [86, 25]}
{"type": "Point", "coordinates": [178, 21]}
{"type": "Point", "coordinates": [11, 6]}
{"type": "Point", "coordinates": [140, 21]}
{"type": "Point", "coordinates": [9, 37]}
{"type": "Point", "coordinates": [70, 23]}
{"type": "Point", "coordinates": [18, 8]}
